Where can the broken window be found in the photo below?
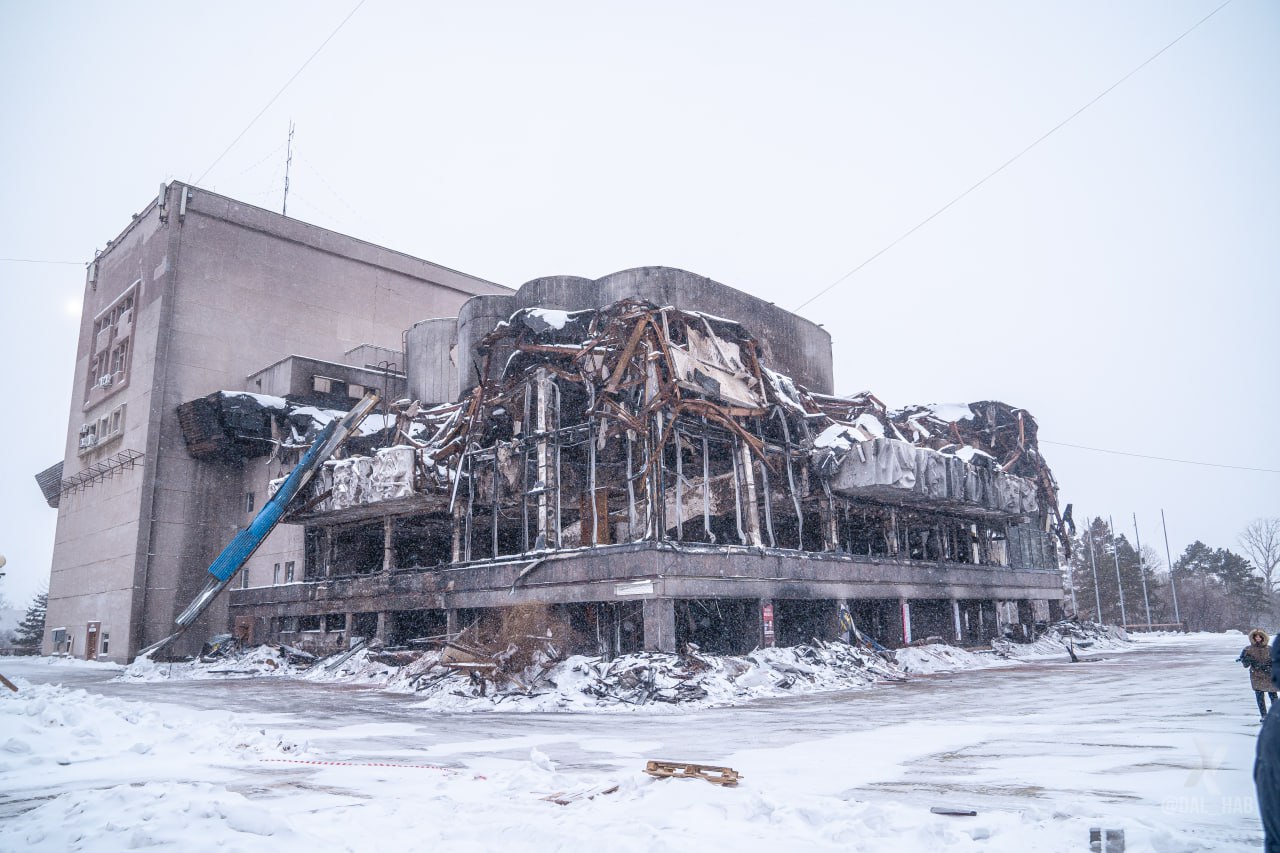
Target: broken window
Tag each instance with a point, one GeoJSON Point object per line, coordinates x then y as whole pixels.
{"type": "Point", "coordinates": [248, 501]}
{"type": "Point", "coordinates": [288, 572]}
{"type": "Point", "coordinates": [309, 623]}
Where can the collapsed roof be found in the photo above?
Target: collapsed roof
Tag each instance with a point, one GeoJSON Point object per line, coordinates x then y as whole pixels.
{"type": "Point", "coordinates": [671, 420]}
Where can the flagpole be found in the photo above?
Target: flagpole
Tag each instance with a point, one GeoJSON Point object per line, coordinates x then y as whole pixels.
{"type": "Point", "coordinates": [1137, 537]}
{"type": "Point", "coordinates": [1093, 561]}
{"type": "Point", "coordinates": [1115, 552]}
{"type": "Point", "coordinates": [1168, 556]}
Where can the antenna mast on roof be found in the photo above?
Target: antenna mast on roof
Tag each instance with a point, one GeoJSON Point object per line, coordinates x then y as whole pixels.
{"type": "Point", "coordinates": [288, 161]}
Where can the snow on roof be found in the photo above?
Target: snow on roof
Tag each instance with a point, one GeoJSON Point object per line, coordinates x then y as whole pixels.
{"type": "Point", "coordinates": [266, 401]}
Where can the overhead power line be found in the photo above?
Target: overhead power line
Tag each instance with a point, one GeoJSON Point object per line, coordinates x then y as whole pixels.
{"type": "Point", "coordinates": [1007, 163]}
{"type": "Point", "coordinates": [274, 97]}
{"type": "Point", "coordinates": [38, 261]}
{"type": "Point", "coordinates": [1162, 458]}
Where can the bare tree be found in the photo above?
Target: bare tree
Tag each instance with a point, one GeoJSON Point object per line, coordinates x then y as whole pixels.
{"type": "Point", "coordinates": [1261, 541]}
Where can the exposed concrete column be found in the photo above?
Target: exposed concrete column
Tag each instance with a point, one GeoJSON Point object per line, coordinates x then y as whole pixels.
{"type": "Point", "coordinates": [326, 553]}
{"type": "Point", "coordinates": [768, 634]}
{"type": "Point", "coordinates": [383, 619]}
{"type": "Point", "coordinates": [455, 553]}
{"type": "Point", "coordinates": [832, 532]}
{"type": "Point", "coordinates": [388, 553]}
{"type": "Point", "coordinates": [660, 624]}
{"type": "Point", "coordinates": [451, 620]}
{"type": "Point", "coordinates": [550, 538]}
{"type": "Point", "coordinates": [905, 606]}
{"type": "Point", "coordinates": [955, 612]}
{"type": "Point", "coordinates": [752, 509]}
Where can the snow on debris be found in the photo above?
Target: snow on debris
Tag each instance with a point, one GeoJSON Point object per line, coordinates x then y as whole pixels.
{"type": "Point", "coordinates": [258, 661]}
{"type": "Point", "coordinates": [648, 680]}
{"type": "Point", "coordinates": [951, 411]}
{"type": "Point", "coordinates": [266, 401]}
{"type": "Point", "coordinates": [937, 657]}
{"type": "Point", "coordinates": [553, 317]}
{"type": "Point", "coordinates": [1080, 636]}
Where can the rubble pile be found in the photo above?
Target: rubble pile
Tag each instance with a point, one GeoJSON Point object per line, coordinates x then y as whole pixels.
{"type": "Point", "coordinates": [1064, 635]}
{"type": "Point", "coordinates": [533, 676]}
{"type": "Point", "coordinates": [653, 679]}
{"type": "Point", "coordinates": [227, 661]}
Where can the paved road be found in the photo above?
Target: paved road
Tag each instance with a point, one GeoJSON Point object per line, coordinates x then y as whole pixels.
{"type": "Point", "coordinates": [1163, 732]}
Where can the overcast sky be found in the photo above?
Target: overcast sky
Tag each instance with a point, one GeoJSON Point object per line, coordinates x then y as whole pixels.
{"type": "Point", "coordinates": [1118, 280]}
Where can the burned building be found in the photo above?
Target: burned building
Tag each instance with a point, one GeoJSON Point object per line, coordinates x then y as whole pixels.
{"type": "Point", "coordinates": [647, 460]}
{"type": "Point", "coordinates": [637, 471]}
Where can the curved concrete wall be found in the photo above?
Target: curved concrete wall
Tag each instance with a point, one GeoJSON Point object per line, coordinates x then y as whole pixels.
{"type": "Point", "coordinates": [477, 318]}
{"type": "Point", "coordinates": [792, 345]}
{"type": "Point", "coordinates": [429, 353]}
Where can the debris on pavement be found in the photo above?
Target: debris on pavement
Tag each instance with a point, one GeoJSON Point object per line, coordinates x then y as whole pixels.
{"type": "Point", "coordinates": [724, 776]}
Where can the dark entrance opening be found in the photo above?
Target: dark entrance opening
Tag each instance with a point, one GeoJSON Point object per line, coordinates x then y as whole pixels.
{"type": "Point", "coordinates": [797, 621]}
{"type": "Point", "coordinates": [932, 617]}
{"type": "Point", "coordinates": [721, 626]}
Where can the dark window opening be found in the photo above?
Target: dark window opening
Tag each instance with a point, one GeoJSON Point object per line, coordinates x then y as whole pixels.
{"type": "Point", "coordinates": [364, 625]}
{"type": "Point", "coordinates": [358, 549]}
{"type": "Point", "coordinates": [409, 625]}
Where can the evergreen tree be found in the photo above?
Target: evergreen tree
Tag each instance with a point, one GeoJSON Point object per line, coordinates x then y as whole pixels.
{"type": "Point", "coordinates": [30, 632]}
{"type": "Point", "coordinates": [1218, 589]}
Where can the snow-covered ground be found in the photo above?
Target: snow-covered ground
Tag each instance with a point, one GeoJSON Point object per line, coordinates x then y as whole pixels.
{"type": "Point", "coordinates": [1156, 740]}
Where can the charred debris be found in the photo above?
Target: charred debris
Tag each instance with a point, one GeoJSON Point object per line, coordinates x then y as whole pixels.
{"type": "Point", "coordinates": [644, 423]}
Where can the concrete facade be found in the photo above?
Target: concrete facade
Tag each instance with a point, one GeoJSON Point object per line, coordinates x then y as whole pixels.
{"type": "Point", "coordinates": [198, 293]}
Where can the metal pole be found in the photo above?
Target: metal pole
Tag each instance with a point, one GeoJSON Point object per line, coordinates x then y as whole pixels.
{"type": "Point", "coordinates": [1115, 552]}
{"type": "Point", "coordinates": [1093, 562]}
{"type": "Point", "coordinates": [288, 162]}
{"type": "Point", "coordinates": [1071, 578]}
{"type": "Point", "coordinates": [1137, 537]}
{"type": "Point", "coordinates": [1172, 586]}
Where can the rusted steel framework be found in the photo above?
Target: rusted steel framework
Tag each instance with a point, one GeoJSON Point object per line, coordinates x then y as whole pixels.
{"type": "Point", "coordinates": [637, 422]}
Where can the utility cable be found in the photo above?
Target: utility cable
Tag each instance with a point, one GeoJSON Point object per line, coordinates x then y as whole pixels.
{"type": "Point", "coordinates": [1161, 458]}
{"type": "Point", "coordinates": [1014, 158]}
{"type": "Point", "coordinates": [276, 96]}
{"type": "Point", "coordinates": [37, 261]}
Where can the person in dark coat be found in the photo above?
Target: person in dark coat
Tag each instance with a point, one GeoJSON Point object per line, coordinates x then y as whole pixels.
{"type": "Point", "coordinates": [1266, 766]}
{"type": "Point", "coordinates": [1257, 658]}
